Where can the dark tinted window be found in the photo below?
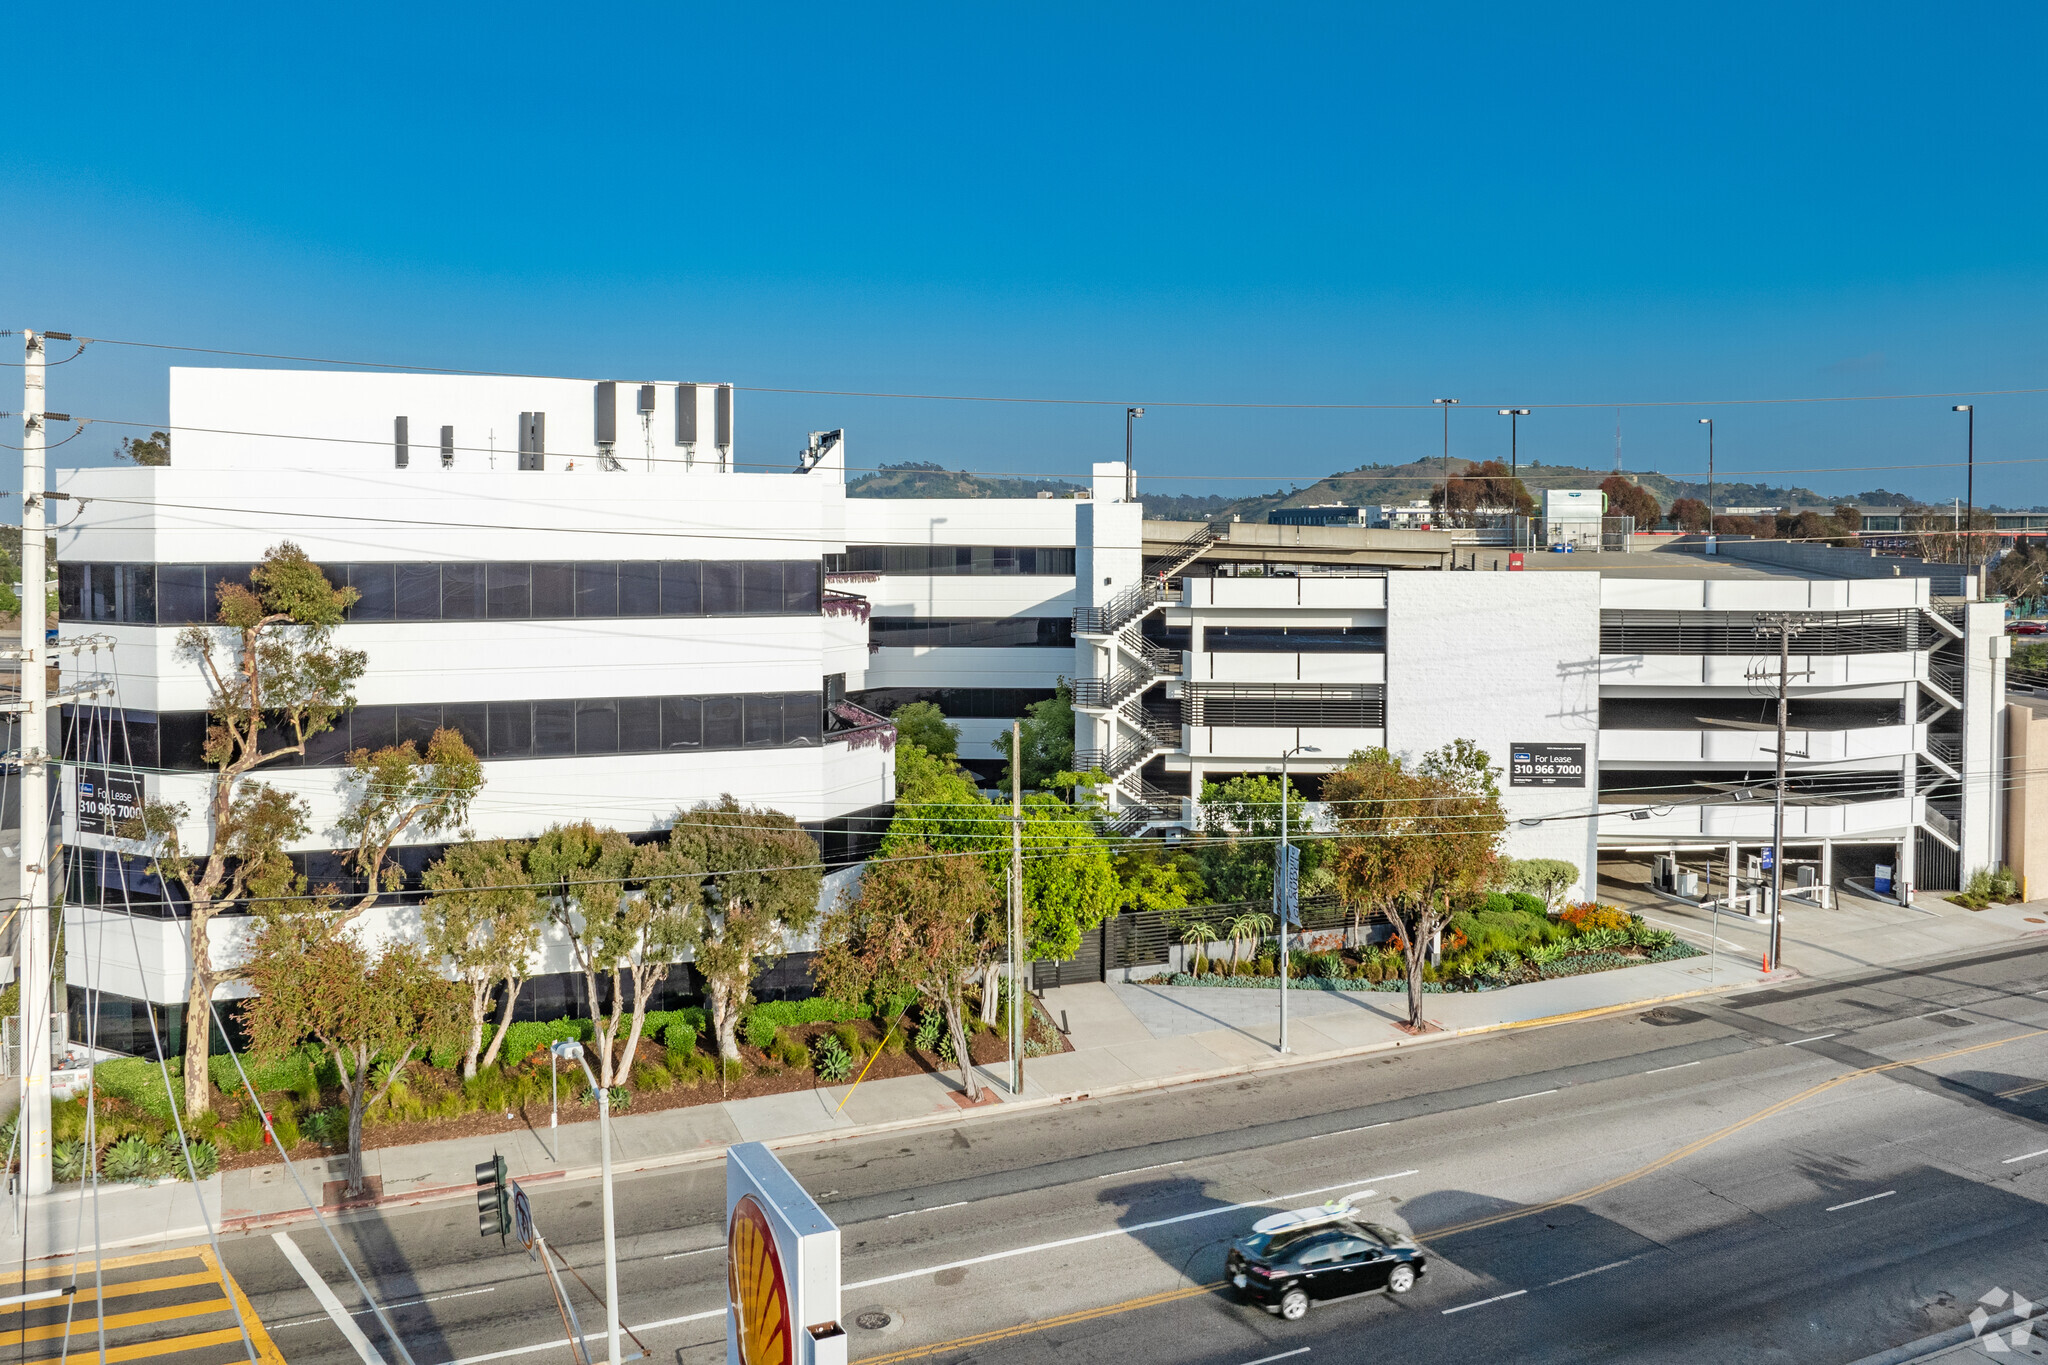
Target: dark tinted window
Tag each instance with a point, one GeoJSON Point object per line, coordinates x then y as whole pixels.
{"type": "Point", "coordinates": [378, 598]}
{"type": "Point", "coordinates": [417, 724]}
{"type": "Point", "coordinates": [511, 589]}
{"type": "Point", "coordinates": [217, 574]}
{"type": "Point", "coordinates": [682, 723]}
{"type": "Point", "coordinates": [1295, 639]}
{"type": "Point", "coordinates": [721, 588]}
{"type": "Point", "coordinates": [597, 590]}
{"type": "Point", "coordinates": [71, 592]}
{"type": "Point", "coordinates": [419, 592]}
{"type": "Point", "coordinates": [462, 592]}
{"type": "Point", "coordinates": [721, 722]}
{"type": "Point", "coordinates": [802, 718]}
{"type": "Point", "coordinates": [554, 728]}
{"type": "Point", "coordinates": [682, 590]}
{"type": "Point", "coordinates": [639, 725]}
{"type": "Point", "coordinates": [373, 727]}
{"type": "Point", "coordinates": [959, 632]}
{"type": "Point", "coordinates": [597, 727]}
{"type": "Point", "coordinates": [183, 738]}
{"type": "Point", "coordinates": [180, 594]}
{"type": "Point", "coordinates": [471, 721]}
{"type": "Point", "coordinates": [761, 588]}
{"type": "Point", "coordinates": [800, 587]}
{"type": "Point", "coordinates": [763, 721]}
{"type": "Point", "coordinates": [511, 729]}
{"type": "Point", "coordinates": [330, 747]}
{"type": "Point", "coordinates": [554, 591]}
{"type": "Point", "coordinates": [640, 588]}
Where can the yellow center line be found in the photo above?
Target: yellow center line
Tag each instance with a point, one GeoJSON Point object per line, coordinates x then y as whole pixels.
{"type": "Point", "coordinates": [1678, 1154]}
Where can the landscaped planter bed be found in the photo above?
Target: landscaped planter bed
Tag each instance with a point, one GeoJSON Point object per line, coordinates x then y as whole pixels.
{"type": "Point", "coordinates": [1578, 964]}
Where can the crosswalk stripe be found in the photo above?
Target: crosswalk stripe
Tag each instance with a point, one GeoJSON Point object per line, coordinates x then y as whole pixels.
{"type": "Point", "coordinates": [85, 1268]}
{"type": "Point", "coordinates": [79, 1327]}
{"type": "Point", "coordinates": [148, 1349]}
{"type": "Point", "coordinates": [120, 1289]}
{"type": "Point", "coordinates": [266, 1349]}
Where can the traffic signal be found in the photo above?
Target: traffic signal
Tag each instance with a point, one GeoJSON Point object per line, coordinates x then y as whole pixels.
{"type": "Point", "coordinates": [493, 1198]}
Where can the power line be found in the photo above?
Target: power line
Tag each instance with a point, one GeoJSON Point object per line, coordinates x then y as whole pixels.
{"type": "Point", "coordinates": [1081, 402]}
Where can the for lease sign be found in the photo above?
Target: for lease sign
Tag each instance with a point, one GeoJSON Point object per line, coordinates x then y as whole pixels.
{"type": "Point", "coordinates": [1547, 765]}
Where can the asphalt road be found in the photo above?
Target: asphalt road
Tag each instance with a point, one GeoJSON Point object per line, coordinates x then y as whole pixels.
{"type": "Point", "coordinates": [1816, 1172]}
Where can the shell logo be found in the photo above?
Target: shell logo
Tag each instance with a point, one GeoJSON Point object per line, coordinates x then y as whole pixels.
{"type": "Point", "coordinates": [758, 1288]}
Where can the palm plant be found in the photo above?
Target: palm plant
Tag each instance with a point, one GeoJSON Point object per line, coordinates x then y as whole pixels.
{"type": "Point", "coordinates": [1251, 927]}
{"type": "Point", "coordinates": [1196, 933]}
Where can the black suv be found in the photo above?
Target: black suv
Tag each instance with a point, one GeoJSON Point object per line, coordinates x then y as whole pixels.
{"type": "Point", "coordinates": [1283, 1272]}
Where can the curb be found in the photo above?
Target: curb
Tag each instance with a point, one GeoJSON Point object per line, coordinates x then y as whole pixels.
{"type": "Point", "coordinates": [1941, 1342]}
{"type": "Point", "coordinates": [442, 1193]}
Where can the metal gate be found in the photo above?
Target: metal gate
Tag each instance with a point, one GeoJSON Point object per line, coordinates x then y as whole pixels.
{"type": "Point", "coordinates": [1084, 965]}
{"type": "Point", "coordinates": [1936, 866]}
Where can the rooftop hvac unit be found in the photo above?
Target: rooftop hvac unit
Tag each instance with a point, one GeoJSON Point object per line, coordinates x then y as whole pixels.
{"type": "Point", "coordinates": [401, 442]}
{"type": "Point", "coordinates": [447, 447]}
{"type": "Point", "coordinates": [533, 440]}
{"type": "Point", "coordinates": [607, 424]}
{"type": "Point", "coordinates": [722, 418]}
{"type": "Point", "coordinates": [646, 400]}
{"type": "Point", "coordinates": [686, 415]}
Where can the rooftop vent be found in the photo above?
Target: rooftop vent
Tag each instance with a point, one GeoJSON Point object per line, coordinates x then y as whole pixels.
{"type": "Point", "coordinates": [401, 442]}
{"type": "Point", "coordinates": [533, 440]}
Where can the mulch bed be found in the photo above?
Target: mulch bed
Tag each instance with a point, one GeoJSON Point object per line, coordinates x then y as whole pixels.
{"type": "Point", "coordinates": [763, 1077]}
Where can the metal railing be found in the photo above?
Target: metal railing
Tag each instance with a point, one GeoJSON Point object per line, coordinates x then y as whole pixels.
{"type": "Point", "coordinates": [1949, 750]}
{"type": "Point", "coordinates": [1948, 677]}
{"type": "Point", "coordinates": [1126, 607]}
{"type": "Point", "coordinates": [1944, 825]}
{"type": "Point", "coordinates": [1170, 564]}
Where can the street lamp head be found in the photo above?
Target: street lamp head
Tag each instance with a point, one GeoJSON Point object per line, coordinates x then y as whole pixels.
{"type": "Point", "coordinates": [1134, 412]}
{"type": "Point", "coordinates": [1706, 421]}
{"type": "Point", "coordinates": [1961, 407]}
{"type": "Point", "coordinates": [1447, 402]}
{"type": "Point", "coordinates": [571, 1051]}
{"type": "Point", "coordinates": [1514, 412]}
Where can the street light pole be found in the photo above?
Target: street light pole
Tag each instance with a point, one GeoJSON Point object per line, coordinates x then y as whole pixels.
{"type": "Point", "coordinates": [1970, 477]}
{"type": "Point", "coordinates": [1514, 416]}
{"type": "Point", "coordinates": [1280, 897]}
{"type": "Point", "coordinates": [1130, 474]}
{"type": "Point", "coordinates": [1446, 404]}
{"type": "Point", "coordinates": [1708, 423]}
{"type": "Point", "coordinates": [611, 1225]}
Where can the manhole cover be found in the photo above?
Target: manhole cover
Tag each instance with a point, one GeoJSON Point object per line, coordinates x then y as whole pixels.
{"type": "Point", "coordinates": [874, 1320]}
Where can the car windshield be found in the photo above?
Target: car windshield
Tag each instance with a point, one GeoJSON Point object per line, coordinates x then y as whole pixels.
{"type": "Point", "coordinates": [1274, 1246]}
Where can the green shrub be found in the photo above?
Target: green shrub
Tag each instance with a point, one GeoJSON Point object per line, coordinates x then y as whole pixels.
{"type": "Point", "coordinates": [833, 1061]}
{"type": "Point", "coordinates": [529, 1036]}
{"type": "Point", "coordinates": [735, 1070]}
{"type": "Point", "coordinates": [789, 1050]}
{"type": "Point", "coordinates": [894, 1039]}
{"type": "Point", "coordinates": [67, 1120]}
{"type": "Point", "coordinates": [328, 1127]}
{"type": "Point", "coordinates": [285, 1124]}
{"type": "Point", "coordinates": [138, 1082]}
{"type": "Point", "coordinates": [244, 1132]}
{"type": "Point", "coordinates": [931, 1026]}
{"type": "Point", "coordinates": [300, 1072]}
{"type": "Point", "coordinates": [128, 1159]}
{"type": "Point", "coordinates": [759, 1023]}
{"type": "Point", "coordinates": [679, 1038]}
{"type": "Point", "coordinates": [850, 1038]}
{"type": "Point", "coordinates": [651, 1075]}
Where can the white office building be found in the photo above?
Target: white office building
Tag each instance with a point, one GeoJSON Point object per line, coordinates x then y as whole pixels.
{"type": "Point", "coordinates": [583, 579]}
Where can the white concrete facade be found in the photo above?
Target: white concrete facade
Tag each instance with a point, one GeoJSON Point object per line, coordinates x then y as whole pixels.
{"type": "Point", "coordinates": [263, 457]}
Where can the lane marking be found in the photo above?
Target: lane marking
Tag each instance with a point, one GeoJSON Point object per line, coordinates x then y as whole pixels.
{"type": "Point", "coordinates": [1114, 1175]}
{"type": "Point", "coordinates": [1497, 1298]}
{"type": "Point", "coordinates": [394, 1307]}
{"type": "Point", "coordinates": [1530, 1096]}
{"type": "Point", "coordinates": [1346, 1132]}
{"type": "Point", "coordinates": [1698, 1145]}
{"type": "Point", "coordinates": [1660, 1069]}
{"type": "Point", "coordinates": [1284, 1355]}
{"type": "Point", "coordinates": [956, 1204]}
{"type": "Point", "coordinates": [1119, 1232]}
{"type": "Point", "coordinates": [1816, 1038]}
{"type": "Point", "coordinates": [2029, 1088]}
{"type": "Point", "coordinates": [678, 1255]}
{"type": "Point", "coordinates": [2024, 1156]}
{"type": "Point", "coordinates": [1867, 1199]}
{"type": "Point", "coordinates": [340, 1316]}
{"type": "Point", "coordinates": [1081, 1315]}
{"type": "Point", "coordinates": [1596, 1270]}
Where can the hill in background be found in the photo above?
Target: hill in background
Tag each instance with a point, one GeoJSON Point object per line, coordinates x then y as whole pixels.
{"type": "Point", "coordinates": [1367, 485]}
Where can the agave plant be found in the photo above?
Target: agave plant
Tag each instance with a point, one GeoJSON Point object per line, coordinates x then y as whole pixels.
{"type": "Point", "coordinates": [205, 1157]}
{"type": "Point", "coordinates": [67, 1162]}
{"type": "Point", "coordinates": [128, 1159]}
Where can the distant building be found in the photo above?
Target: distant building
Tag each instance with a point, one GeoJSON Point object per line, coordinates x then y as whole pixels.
{"type": "Point", "coordinates": [1322, 514]}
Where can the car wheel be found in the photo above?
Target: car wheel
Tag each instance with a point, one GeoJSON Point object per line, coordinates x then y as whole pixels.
{"type": "Point", "coordinates": [1294, 1305]}
{"type": "Point", "coordinates": [1401, 1280]}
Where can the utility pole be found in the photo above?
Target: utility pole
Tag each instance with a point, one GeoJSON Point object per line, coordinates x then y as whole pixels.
{"type": "Point", "coordinates": [1130, 472]}
{"type": "Point", "coordinates": [1016, 908]}
{"type": "Point", "coordinates": [1785, 626]}
{"type": "Point", "coordinates": [1285, 882]}
{"type": "Point", "coordinates": [1446, 404]}
{"type": "Point", "coordinates": [1969, 481]}
{"type": "Point", "coordinates": [1514, 416]}
{"type": "Point", "coordinates": [33, 963]}
{"type": "Point", "coordinates": [1708, 423]}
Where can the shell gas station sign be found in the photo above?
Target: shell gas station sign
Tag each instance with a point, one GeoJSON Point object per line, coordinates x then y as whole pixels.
{"type": "Point", "coordinates": [782, 1267]}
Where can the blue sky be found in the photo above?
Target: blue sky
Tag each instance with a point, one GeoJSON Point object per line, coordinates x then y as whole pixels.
{"type": "Point", "coordinates": [1285, 203]}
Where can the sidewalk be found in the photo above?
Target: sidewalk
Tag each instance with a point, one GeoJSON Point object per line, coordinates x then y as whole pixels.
{"type": "Point", "coordinates": [1125, 1037]}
